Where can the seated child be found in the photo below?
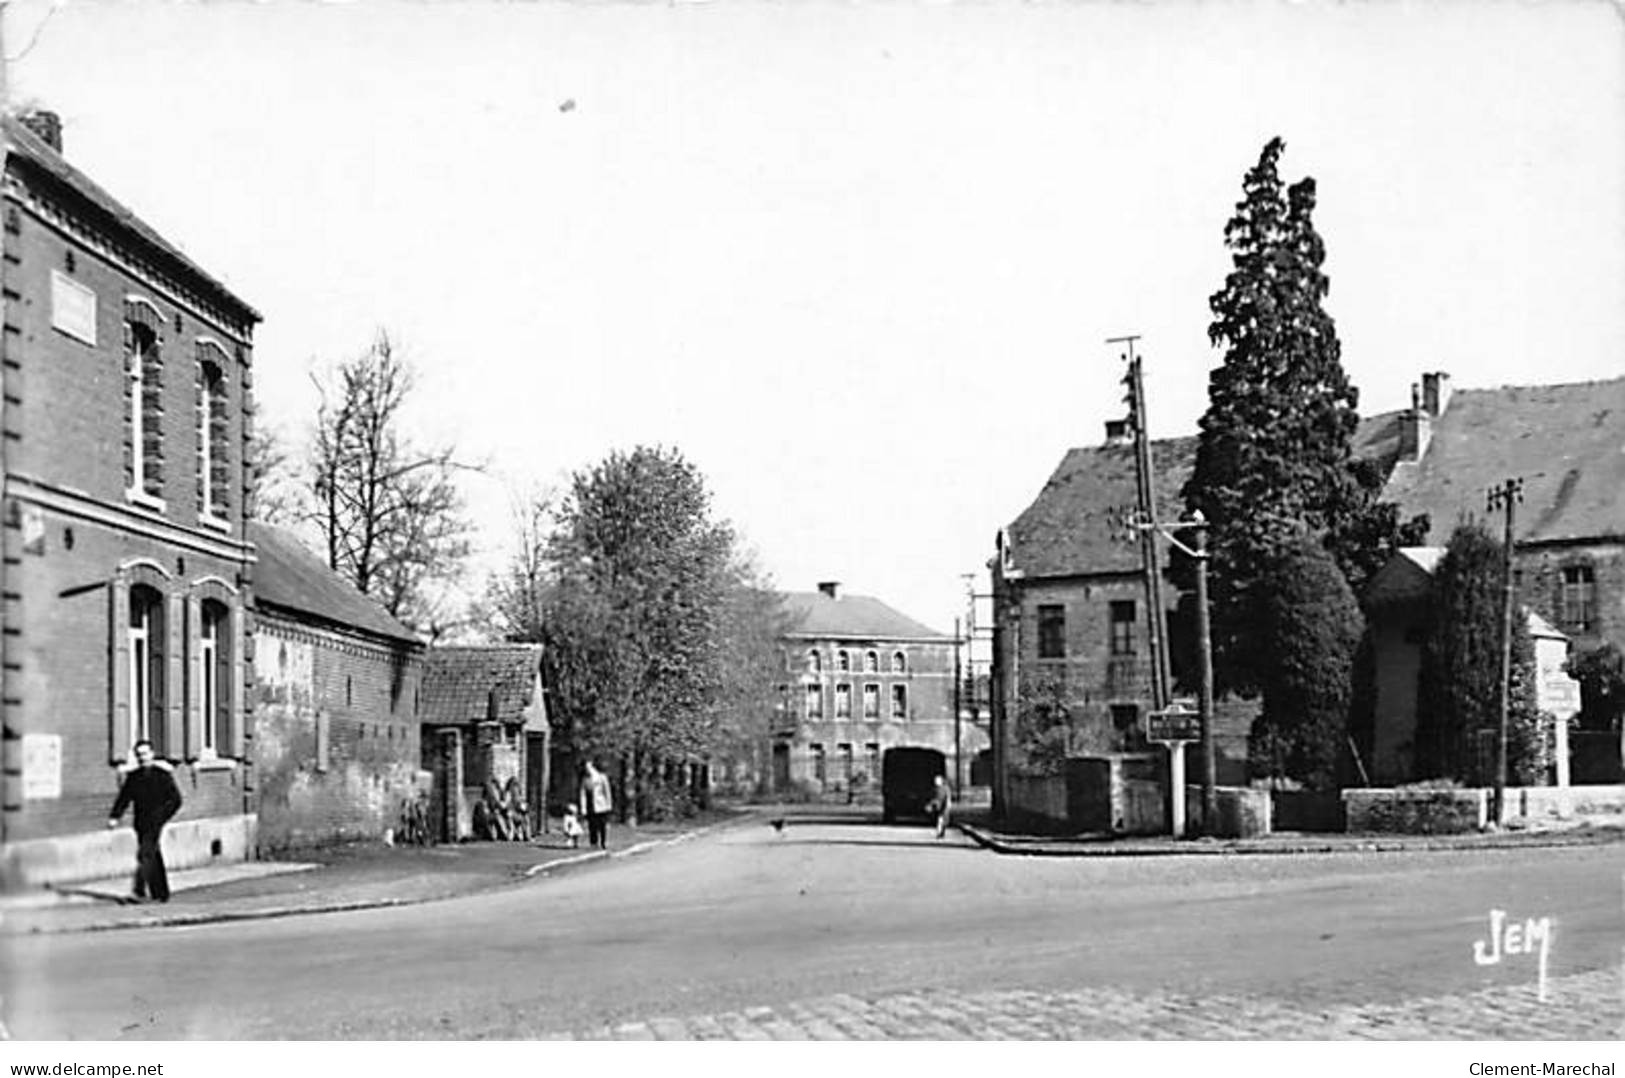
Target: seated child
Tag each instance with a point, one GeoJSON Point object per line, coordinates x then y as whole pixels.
{"type": "Point", "coordinates": [572, 827]}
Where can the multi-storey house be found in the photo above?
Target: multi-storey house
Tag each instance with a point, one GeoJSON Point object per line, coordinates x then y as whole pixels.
{"type": "Point", "coordinates": [126, 581]}
{"type": "Point", "coordinates": [862, 678]}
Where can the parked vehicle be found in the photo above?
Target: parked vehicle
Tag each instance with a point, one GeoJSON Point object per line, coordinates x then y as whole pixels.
{"type": "Point", "coordinates": [906, 781]}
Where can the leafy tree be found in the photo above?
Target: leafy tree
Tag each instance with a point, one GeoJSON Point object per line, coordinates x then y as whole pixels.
{"type": "Point", "coordinates": [1274, 455]}
{"type": "Point", "coordinates": [1041, 734]}
{"type": "Point", "coordinates": [661, 639]}
{"type": "Point", "coordinates": [1312, 628]}
{"type": "Point", "coordinates": [1458, 714]}
{"type": "Point", "coordinates": [388, 510]}
{"type": "Point", "coordinates": [1601, 674]}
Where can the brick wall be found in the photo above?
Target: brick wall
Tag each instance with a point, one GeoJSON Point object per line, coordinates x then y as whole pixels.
{"type": "Point", "coordinates": [337, 742]}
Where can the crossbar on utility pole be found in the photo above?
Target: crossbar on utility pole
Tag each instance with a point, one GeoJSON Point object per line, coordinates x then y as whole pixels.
{"type": "Point", "coordinates": [1505, 497]}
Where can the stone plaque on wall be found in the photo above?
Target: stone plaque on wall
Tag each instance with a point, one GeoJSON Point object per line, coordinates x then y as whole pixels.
{"type": "Point", "coordinates": [73, 308]}
{"type": "Point", "coordinates": [42, 767]}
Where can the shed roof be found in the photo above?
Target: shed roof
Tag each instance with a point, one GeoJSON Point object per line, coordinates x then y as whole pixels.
{"type": "Point", "coordinates": [480, 683]}
{"type": "Point", "coordinates": [292, 578]}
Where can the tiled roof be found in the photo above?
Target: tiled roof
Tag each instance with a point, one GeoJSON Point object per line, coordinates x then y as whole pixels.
{"type": "Point", "coordinates": [1567, 443]}
{"type": "Point", "coordinates": [25, 145]}
{"type": "Point", "coordinates": [291, 577]}
{"type": "Point", "coordinates": [858, 616]}
{"type": "Point", "coordinates": [460, 684]}
{"type": "Point", "coordinates": [1406, 577]}
{"type": "Point", "coordinates": [1073, 527]}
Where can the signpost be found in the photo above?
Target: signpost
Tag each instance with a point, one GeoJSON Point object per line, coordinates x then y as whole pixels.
{"type": "Point", "coordinates": [1175, 726]}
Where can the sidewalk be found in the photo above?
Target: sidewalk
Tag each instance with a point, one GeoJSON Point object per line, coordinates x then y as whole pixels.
{"type": "Point", "coordinates": [1578, 831]}
{"type": "Point", "coordinates": [351, 877]}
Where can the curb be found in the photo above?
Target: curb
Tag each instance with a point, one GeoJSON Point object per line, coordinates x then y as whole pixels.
{"type": "Point", "coordinates": [1232, 848]}
{"type": "Point", "coordinates": [204, 917]}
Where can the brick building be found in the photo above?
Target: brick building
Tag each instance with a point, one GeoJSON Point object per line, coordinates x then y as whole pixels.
{"type": "Point", "coordinates": [336, 701]}
{"type": "Point", "coordinates": [484, 719]}
{"type": "Point", "coordinates": [864, 678]}
{"type": "Point", "coordinates": [126, 578]}
{"type": "Point", "coordinates": [1071, 626]}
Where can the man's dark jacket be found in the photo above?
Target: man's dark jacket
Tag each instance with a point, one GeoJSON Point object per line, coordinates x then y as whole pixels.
{"type": "Point", "coordinates": [153, 792]}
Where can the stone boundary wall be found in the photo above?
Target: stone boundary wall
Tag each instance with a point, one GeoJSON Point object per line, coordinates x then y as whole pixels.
{"type": "Point", "coordinates": [1416, 812]}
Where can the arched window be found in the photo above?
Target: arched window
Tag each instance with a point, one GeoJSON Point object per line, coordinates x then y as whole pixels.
{"type": "Point", "coordinates": [214, 433]}
{"type": "Point", "coordinates": [843, 662]}
{"type": "Point", "coordinates": [144, 411]}
{"type": "Point", "coordinates": [871, 662]}
{"type": "Point", "coordinates": [899, 663]}
{"type": "Point", "coordinates": [815, 664]}
{"type": "Point", "coordinates": [144, 637]}
{"type": "Point", "coordinates": [214, 679]}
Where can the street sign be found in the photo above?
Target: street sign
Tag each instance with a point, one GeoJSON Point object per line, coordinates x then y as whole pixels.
{"type": "Point", "coordinates": [1174, 723]}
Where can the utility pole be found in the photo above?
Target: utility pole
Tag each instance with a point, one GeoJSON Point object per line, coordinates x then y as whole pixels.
{"type": "Point", "coordinates": [958, 707]}
{"type": "Point", "coordinates": [1506, 497]}
{"type": "Point", "coordinates": [1146, 495]}
{"type": "Point", "coordinates": [1204, 652]}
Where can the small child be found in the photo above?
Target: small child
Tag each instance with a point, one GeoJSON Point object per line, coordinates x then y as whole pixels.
{"type": "Point", "coordinates": [572, 827]}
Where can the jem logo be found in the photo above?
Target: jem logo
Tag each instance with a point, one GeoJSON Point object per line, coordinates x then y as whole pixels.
{"type": "Point", "coordinates": [1529, 936]}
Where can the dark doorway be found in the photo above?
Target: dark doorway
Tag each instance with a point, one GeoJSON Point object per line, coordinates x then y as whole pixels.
{"type": "Point", "coordinates": [781, 766]}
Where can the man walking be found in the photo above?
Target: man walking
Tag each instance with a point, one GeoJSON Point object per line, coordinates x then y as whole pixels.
{"type": "Point", "coordinates": [151, 788]}
{"type": "Point", "coordinates": [941, 804]}
{"type": "Point", "coordinates": [596, 804]}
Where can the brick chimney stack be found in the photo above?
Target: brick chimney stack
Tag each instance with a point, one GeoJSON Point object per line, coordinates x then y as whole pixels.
{"type": "Point", "coordinates": [46, 125]}
{"type": "Point", "coordinates": [831, 588]}
{"type": "Point", "coordinates": [1119, 432]}
{"type": "Point", "coordinates": [1435, 393]}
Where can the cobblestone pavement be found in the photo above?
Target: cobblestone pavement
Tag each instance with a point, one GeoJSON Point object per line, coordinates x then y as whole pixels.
{"type": "Point", "coordinates": [1584, 1006]}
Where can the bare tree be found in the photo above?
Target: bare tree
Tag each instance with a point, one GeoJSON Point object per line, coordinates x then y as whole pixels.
{"type": "Point", "coordinates": [389, 510]}
{"type": "Point", "coordinates": [276, 492]}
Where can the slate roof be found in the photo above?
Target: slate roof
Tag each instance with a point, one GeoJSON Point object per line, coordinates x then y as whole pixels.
{"type": "Point", "coordinates": [289, 576]}
{"type": "Point", "coordinates": [1073, 527]}
{"type": "Point", "coordinates": [1567, 442]}
{"type": "Point", "coordinates": [816, 615]}
{"type": "Point", "coordinates": [1407, 577]}
{"type": "Point", "coordinates": [23, 144]}
{"type": "Point", "coordinates": [458, 683]}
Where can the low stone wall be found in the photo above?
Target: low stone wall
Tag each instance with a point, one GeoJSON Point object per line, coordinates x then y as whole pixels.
{"type": "Point", "coordinates": [1540, 802]}
{"type": "Point", "coordinates": [1038, 801]}
{"type": "Point", "coordinates": [1416, 812]}
{"type": "Point", "coordinates": [95, 855]}
{"type": "Point", "coordinates": [1243, 812]}
{"type": "Point", "coordinates": [1307, 810]}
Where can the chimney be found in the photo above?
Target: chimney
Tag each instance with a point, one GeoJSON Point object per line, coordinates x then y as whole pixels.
{"type": "Point", "coordinates": [1415, 426]}
{"type": "Point", "coordinates": [46, 126]}
{"type": "Point", "coordinates": [830, 588]}
{"type": "Point", "coordinates": [1119, 432]}
{"type": "Point", "coordinates": [1435, 393]}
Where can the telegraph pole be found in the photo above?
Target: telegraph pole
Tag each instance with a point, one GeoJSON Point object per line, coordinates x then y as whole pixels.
{"type": "Point", "coordinates": [1204, 652]}
{"type": "Point", "coordinates": [1506, 497]}
{"type": "Point", "coordinates": [958, 707]}
{"type": "Point", "coordinates": [1146, 495]}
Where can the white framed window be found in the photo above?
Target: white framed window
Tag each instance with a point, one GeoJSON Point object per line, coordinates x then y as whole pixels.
{"type": "Point", "coordinates": [843, 662]}
{"type": "Point", "coordinates": [815, 663]}
{"type": "Point", "coordinates": [871, 701]}
{"type": "Point", "coordinates": [213, 434]}
{"type": "Point", "coordinates": [843, 701]}
{"type": "Point", "coordinates": [899, 701]}
{"type": "Point", "coordinates": [814, 697]}
{"type": "Point", "coordinates": [899, 663]}
{"type": "Point", "coordinates": [871, 662]}
{"type": "Point", "coordinates": [144, 405]}
{"type": "Point", "coordinates": [144, 654]}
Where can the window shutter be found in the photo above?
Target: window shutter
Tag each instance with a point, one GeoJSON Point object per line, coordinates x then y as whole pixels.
{"type": "Point", "coordinates": [194, 681]}
{"type": "Point", "coordinates": [118, 707]}
{"type": "Point", "coordinates": [238, 704]}
{"type": "Point", "coordinates": [174, 674]}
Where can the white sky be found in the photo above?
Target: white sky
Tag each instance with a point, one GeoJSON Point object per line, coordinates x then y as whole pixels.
{"type": "Point", "coordinates": [858, 261]}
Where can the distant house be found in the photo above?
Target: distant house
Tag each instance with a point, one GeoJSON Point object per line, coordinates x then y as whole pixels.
{"type": "Point", "coordinates": [1072, 627]}
{"type": "Point", "coordinates": [126, 579]}
{"type": "Point", "coordinates": [336, 695]}
{"type": "Point", "coordinates": [863, 678]}
{"type": "Point", "coordinates": [484, 719]}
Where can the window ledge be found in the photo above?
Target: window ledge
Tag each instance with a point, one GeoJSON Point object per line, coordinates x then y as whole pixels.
{"type": "Point", "coordinates": [219, 524]}
{"type": "Point", "coordinates": [214, 763]}
{"type": "Point", "coordinates": [141, 499]}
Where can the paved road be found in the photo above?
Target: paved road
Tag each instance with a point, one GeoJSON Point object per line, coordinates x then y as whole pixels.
{"type": "Point", "coordinates": [844, 928]}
